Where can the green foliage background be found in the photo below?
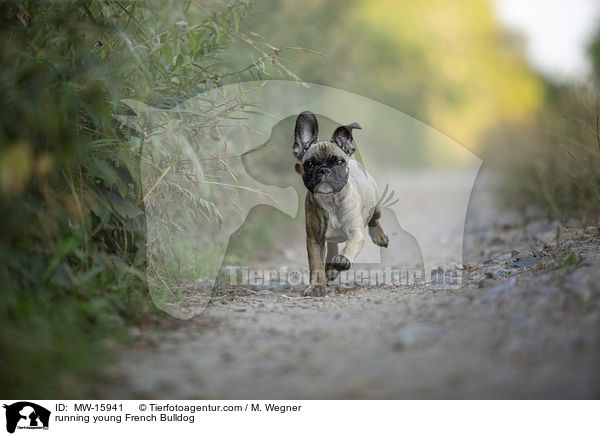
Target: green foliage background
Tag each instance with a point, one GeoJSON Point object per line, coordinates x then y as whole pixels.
{"type": "Point", "coordinates": [73, 231]}
{"type": "Point", "coordinates": [453, 66]}
{"type": "Point", "coordinates": [449, 65]}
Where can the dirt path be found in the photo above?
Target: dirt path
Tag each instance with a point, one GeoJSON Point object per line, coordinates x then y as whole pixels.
{"type": "Point", "coordinates": [526, 324]}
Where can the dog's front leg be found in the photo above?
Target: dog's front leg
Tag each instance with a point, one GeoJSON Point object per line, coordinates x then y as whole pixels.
{"type": "Point", "coordinates": [344, 260]}
{"type": "Point", "coordinates": [330, 272]}
{"type": "Point", "coordinates": [315, 250]}
{"type": "Point", "coordinates": [316, 225]}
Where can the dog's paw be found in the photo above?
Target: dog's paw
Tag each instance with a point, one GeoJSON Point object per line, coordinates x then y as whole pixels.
{"type": "Point", "coordinates": [315, 291]}
{"type": "Point", "coordinates": [331, 273]}
{"type": "Point", "coordinates": [340, 262]}
{"type": "Point", "coordinates": [378, 237]}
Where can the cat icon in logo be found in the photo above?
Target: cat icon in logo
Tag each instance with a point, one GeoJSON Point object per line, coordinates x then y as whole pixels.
{"type": "Point", "coordinates": [26, 415]}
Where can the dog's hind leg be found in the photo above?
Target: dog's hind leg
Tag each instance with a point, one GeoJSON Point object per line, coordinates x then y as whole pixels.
{"type": "Point", "coordinates": [375, 231]}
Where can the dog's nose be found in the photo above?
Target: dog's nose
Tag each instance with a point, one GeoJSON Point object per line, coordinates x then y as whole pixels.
{"type": "Point", "coordinates": [324, 171]}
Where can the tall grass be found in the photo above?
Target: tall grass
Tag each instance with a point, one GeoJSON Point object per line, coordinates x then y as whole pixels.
{"type": "Point", "coordinates": [551, 165]}
{"type": "Point", "coordinates": [72, 247]}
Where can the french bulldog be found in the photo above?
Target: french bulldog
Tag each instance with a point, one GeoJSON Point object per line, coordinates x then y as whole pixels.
{"type": "Point", "coordinates": [342, 200]}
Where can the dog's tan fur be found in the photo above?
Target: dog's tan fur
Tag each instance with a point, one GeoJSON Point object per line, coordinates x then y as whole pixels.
{"type": "Point", "coordinates": [333, 218]}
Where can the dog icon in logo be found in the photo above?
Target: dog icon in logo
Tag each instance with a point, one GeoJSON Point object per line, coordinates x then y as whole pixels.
{"type": "Point", "coordinates": [24, 414]}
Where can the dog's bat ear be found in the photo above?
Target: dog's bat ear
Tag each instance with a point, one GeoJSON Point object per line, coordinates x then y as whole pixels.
{"type": "Point", "coordinates": [343, 138]}
{"type": "Point", "coordinates": [305, 133]}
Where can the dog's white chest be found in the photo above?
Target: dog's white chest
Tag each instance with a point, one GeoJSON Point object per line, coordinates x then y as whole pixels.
{"type": "Point", "coordinates": [335, 230]}
{"type": "Point", "coordinates": [337, 217]}
{"type": "Point", "coordinates": [350, 208]}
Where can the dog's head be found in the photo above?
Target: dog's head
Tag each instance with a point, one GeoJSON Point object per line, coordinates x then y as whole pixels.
{"type": "Point", "coordinates": [323, 164]}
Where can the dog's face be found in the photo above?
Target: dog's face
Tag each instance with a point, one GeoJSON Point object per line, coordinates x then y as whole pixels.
{"type": "Point", "coordinates": [324, 168]}
{"type": "Point", "coordinates": [323, 165]}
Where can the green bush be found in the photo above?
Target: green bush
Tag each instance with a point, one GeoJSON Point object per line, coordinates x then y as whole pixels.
{"type": "Point", "coordinates": [71, 208]}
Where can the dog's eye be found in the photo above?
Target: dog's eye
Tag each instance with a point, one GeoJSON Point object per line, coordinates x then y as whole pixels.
{"type": "Point", "coordinates": [340, 162]}
{"type": "Point", "coordinates": [308, 164]}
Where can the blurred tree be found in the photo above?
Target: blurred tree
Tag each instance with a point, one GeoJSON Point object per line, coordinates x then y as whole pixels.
{"type": "Point", "coordinates": [448, 64]}
{"type": "Point", "coordinates": [593, 51]}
